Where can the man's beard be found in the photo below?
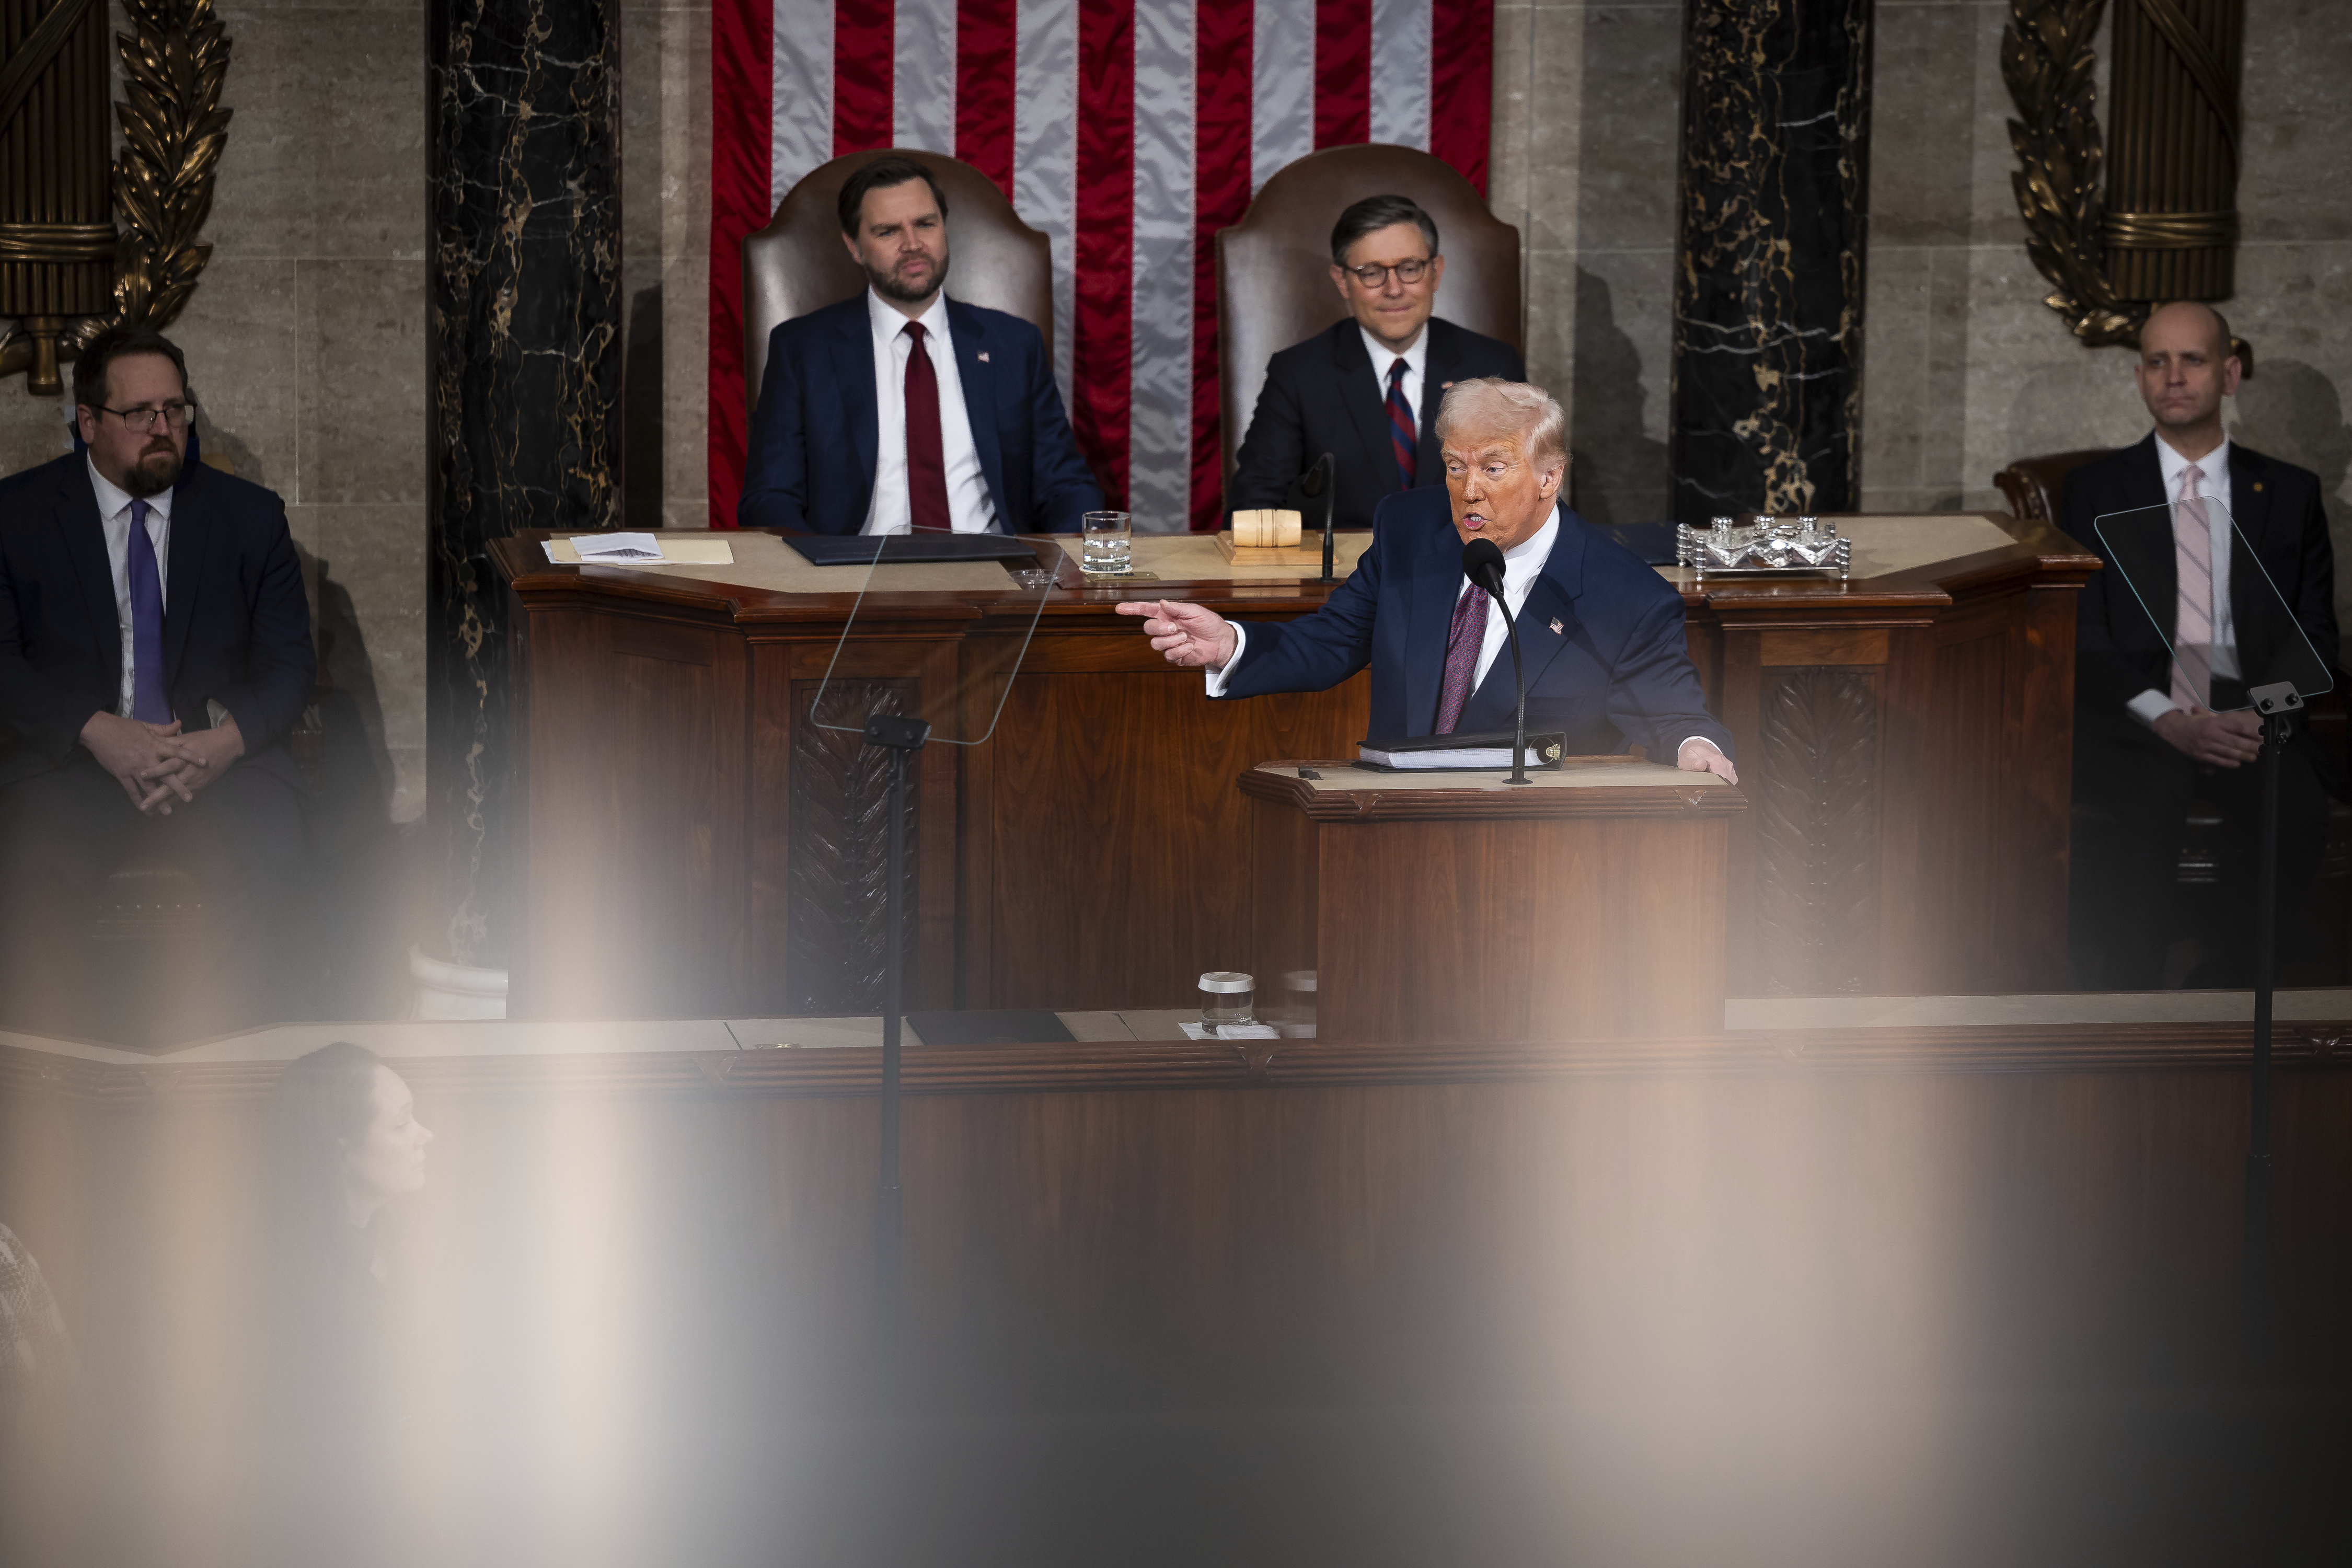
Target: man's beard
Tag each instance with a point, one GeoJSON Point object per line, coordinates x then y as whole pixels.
{"type": "Point", "coordinates": [152, 474]}
{"type": "Point", "coordinates": [887, 284]}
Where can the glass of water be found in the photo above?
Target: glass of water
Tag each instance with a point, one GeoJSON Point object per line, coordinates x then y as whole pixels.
{"type": "Point", "coordinates": [1109, 538]}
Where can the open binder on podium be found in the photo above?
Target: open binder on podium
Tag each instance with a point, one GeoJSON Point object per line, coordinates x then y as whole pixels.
{"type": "Point", "coordinates": [960, 712]}
{"type": "Point", "coordinates": [2236, 651]}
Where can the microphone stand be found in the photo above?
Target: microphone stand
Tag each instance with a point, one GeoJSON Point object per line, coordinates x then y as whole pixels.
{"type": "Point", "coordinates": [1519, 677]}
{"type": "Point", "coordinates": [1494, 584]}
{"type": "Point", "coordinates": [2274, 703]}
{"type": "Point", "coordinates": [903, 737]}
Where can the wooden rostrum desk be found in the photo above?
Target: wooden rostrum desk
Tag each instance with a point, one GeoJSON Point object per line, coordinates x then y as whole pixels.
{"type": "Point", "coordinates": [691, 844]}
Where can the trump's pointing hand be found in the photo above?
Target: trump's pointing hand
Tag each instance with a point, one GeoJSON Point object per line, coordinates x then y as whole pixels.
{"type": "Point", "coordinates": [1187, 634]}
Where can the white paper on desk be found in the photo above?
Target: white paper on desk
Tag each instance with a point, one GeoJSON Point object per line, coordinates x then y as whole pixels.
{"type": "Point", "coordinates": [691, 549]}
{"type": "Point", "coordinates": [617, 547]}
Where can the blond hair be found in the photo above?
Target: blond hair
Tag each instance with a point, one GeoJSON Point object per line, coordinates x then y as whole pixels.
{"type": "Point", "coordinates": [1491, 405]}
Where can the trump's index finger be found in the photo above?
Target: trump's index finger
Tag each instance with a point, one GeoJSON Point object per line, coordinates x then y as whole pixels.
{"type": "Point", "coordinates": [1137, 607]}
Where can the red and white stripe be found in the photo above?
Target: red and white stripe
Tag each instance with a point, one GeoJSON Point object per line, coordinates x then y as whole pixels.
{"type": "Point", "coordinates": [1129, 130]}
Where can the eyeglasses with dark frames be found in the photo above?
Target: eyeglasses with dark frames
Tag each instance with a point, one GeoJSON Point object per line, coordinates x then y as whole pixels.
{"type": "Point", "coordinates": [140, 421]}
{"type": "Point", "coordinates": [1373, 275]}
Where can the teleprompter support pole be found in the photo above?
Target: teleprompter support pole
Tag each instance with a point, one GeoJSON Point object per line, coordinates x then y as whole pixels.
{"type": "Point", "coordinates": [2275, 704]}
{"type": "Point", "coordinates": [904, 737]}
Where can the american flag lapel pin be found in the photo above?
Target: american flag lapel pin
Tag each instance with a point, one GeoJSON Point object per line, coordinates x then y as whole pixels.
{"type": "Point", "coordinates": [1555, 626]}
{"type": "Point", "coordinates": [983, 356]}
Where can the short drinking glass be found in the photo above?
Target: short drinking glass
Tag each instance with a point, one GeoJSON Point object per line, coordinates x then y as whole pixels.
{"type": "Point", "coordinates": [1109, 538]}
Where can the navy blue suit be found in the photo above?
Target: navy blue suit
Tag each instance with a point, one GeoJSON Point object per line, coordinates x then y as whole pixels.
{"type": "Point", "coordinates": [815, 437]}
{"type": "Point", "coordinates": [1617, 672]}
{"type": "Point", "coordinates": [237, 630]}
{"type": "Point", "coordinates": [1325, 396]}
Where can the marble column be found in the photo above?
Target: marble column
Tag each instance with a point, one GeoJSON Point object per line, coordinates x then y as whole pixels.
{"type": "Point", "coordinates": [524, 282]}
{"type": "Point", "coordinates": [1766, 381]}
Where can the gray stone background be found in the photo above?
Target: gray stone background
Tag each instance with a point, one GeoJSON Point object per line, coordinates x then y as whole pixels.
{"type": "Point", "coordinates": [306, 336]}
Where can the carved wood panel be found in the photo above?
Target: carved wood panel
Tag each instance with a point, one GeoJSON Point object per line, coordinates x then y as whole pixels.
{"type": "Point", "coordinates": [1816, 828]}
{"type": "Point", "coordinates": [837, 932]}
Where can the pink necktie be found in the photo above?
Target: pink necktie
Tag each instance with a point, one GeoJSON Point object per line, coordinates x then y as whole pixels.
{"type": "Point", "coordinates": [1464, 639]}
{"type": "Point", "coordinates": [2192, 553]}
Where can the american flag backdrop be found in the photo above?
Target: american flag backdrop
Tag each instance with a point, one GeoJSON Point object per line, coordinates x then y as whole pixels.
{"type": "Point", "coordinates": [1129, 130]}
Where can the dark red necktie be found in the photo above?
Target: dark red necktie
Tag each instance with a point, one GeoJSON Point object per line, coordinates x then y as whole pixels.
{"type": "Point", "coordinates": [927, 464]}
{"type": "Point", "coordinates": [1463, 641]}
{"type": "Point", "coordinates": [1402, 438]}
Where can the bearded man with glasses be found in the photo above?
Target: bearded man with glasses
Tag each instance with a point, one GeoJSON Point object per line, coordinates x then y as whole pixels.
{"type": "Point", "coordinates": [1367, 389]}
{"type": "Point", "coordinates": [154, 655]}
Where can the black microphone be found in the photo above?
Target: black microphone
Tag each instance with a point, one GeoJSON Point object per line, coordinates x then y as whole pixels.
{"type": "Point", "coordinates": [1482, 562]}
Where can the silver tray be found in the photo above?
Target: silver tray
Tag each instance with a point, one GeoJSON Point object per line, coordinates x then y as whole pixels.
{"type": "Point", "coordinates": [1766, 547]}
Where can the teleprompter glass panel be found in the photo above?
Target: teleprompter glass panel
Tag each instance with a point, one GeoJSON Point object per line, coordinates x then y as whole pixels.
{"type": "Point", "coordinates": [2248, 635]}
{"type": "Point", "coordinates": [1005, 597]}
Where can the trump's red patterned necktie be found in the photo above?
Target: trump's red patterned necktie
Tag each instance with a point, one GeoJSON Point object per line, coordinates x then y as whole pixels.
{"type": "Point", "coordinates": [1463, 641]}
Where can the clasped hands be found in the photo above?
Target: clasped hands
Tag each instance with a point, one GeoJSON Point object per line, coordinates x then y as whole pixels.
{"type": "Point", "coordinates": [1199, 638]}
{"type": "Point", "coordinates": [156, 763]}
{"type": "Point", "coordinates": [2217, 740]}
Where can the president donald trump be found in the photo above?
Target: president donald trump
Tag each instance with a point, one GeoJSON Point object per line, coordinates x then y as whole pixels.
{"type": "Point", "coordinates": [1601, 632]}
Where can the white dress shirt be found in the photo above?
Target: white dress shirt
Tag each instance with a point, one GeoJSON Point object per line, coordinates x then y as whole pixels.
{"type": "Point", "coordinates": [114, 517]}
{"type": "Point", "coordinates": [1522, 564]}
{"type": "Point", "coordinates": [970, 506]}
{"type": "Point", "coordinates": [1416, 359]}
{"type": "Point", "coordinates": [2213, 484]}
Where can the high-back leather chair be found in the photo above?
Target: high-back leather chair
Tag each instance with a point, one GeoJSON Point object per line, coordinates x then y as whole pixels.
{"type": "Point", "coordinates": [2036, 487]}
{"type": "Point", "coordinates": [1274, 268]}
{"type": "Point", "coordinates": [798, 264]}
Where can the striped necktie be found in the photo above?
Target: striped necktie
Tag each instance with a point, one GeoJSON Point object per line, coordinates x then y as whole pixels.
{"type": "Point", "coordinates": [2192, 621]}
{"type": "Point", "coordinates": [1401, 437]}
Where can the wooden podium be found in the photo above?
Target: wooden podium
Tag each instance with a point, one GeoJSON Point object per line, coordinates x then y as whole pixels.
{"type": "Point", "coordinates": [1456, 907]}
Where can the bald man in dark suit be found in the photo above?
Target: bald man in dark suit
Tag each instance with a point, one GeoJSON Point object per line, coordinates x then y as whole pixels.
{"type": "Point", "coordinates": [2147, 741]}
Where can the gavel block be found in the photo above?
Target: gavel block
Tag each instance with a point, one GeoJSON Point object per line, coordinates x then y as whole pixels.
{"type": "Point", "coordinates": [1264, 538]}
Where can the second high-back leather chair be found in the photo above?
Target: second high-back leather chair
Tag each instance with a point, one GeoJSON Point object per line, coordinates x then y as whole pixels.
{"type": "Point", "coordinates": [798, 264]}
{"type": "Point", "coordinates": [1274, 277]}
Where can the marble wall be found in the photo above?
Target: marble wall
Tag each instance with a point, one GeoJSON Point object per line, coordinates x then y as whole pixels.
{"type": "Point", "coordinates": [666, 258]}
{"type": "Point", "coordinates": [1586, 102]}
{"type": "Point", "coordinates": [306, 343]}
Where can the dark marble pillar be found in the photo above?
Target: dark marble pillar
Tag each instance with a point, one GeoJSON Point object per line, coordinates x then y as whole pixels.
{"type": "Point", "coordinates": [1767, 399]}
{"type": "Point", "coordinates": [525, 227]}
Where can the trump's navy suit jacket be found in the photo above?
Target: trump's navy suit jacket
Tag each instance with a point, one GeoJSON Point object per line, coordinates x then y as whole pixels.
{"type": "Point", "coordinates": [237, 626]}
{"type": "Point", "coordinates": [1601, 632]}
{"type": "Point", "coordinates": [815, 436]}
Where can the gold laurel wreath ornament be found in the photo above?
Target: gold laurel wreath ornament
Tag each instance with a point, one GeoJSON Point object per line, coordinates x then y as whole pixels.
{"type": "Point", "coordinates": [2047, 60]}
{"type": "Point", "coordinates": [173, 128]}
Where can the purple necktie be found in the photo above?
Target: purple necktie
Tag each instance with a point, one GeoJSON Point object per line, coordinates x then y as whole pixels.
{"type": "Point", "coordinates": [1463, 641]}
{"type": "Point", "coordinates": [1400, 433]}
{"type": "Point", "coordinates": [148, 702]}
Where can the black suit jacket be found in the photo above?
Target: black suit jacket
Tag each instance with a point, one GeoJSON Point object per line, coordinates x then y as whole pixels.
{"type": "Point", "coordinates": [237, 627]}
{"type": "Point", "coordinates": [2119, 652]}
{"type": "Point", "coordinates": [1323, 396]}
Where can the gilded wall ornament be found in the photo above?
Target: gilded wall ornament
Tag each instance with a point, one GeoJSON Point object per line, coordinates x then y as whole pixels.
{"type": "Point", "coordinates": [2176, 126]}
{"type": "Point", "coordinates": [65, 280]}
